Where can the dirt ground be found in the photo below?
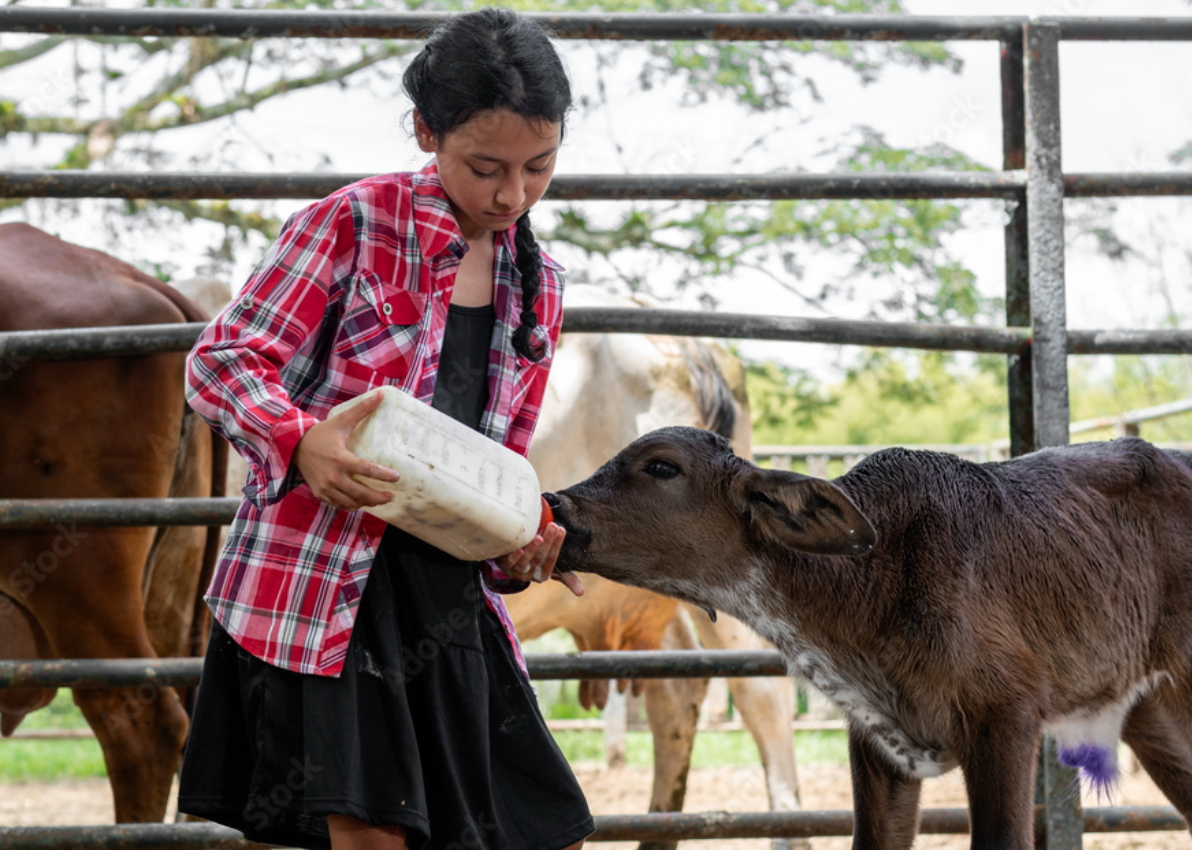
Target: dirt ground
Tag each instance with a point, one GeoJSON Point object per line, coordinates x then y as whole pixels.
{"type": "Point", "coordinates": [626, 790]}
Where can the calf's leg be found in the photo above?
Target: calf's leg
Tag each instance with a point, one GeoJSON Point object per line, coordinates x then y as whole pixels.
{"type": "Point", "coordinates": [1160, 734]}
{"type": "Point", "coordinates": [999, 759]}
{"type": "Point", "coordinates": [885, 803]}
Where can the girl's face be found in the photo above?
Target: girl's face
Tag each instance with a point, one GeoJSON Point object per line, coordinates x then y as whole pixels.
{"type": "Point", "coordinates": [494, 167]}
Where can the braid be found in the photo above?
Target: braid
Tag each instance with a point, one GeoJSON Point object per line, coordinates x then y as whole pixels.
{"type": "Point", "coordinates": [529, 266]}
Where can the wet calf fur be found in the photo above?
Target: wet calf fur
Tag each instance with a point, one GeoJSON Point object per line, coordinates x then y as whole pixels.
{"type": "Point", "coordinates": [953, 611]}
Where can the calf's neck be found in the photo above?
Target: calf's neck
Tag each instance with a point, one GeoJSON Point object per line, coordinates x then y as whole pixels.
{"type": "Point", "coordinates": [953, 611]}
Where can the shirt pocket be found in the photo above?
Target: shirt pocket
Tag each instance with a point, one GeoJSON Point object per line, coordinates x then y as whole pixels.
{"type": "Point", "coordinates": [381, 326]}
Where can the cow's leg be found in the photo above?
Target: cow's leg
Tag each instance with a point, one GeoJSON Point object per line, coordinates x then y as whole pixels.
{"type": "Point", "coordinates": [672, 708]}
{"type": "Point", "coordinates": [885, 803]}
{"type": "Point", "coordinates": [1160, 734]}
{"type": "Point", "coordinates": [141, 729]}
{"type": "Point", "coordinates": [20, 638]}
{"type": "Point", "coordinates": [767, 707]}
{"type": "Point", "coordinates": [999, 758]}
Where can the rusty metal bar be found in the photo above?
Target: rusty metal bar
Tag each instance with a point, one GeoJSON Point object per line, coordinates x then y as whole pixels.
{"type": "Point", "coordinates": [1045, 224]}
{"type": "Point", "coordinates": [1120, 184]}
{"type": "Point", "coordinates": [1008, 184]}
{"type": "Point", "coordinates": [248, 24]}
{"type": "Point", "coordinates": [1020, 395]}
{"type": "Point", "coordinates": [179, 186]}
{"type": "Point", "coordinates": [673, 826]}
{"type": "Point", "coordinates": [1130, 342]}
{"type": "Point", "coordinates": [1120, 29]}
{"type": "Point", "coordinates": [17, 347]}
{"type": "Point", "coordinates": [654, 664]}
{"type": "Point", "coordinates": [141, 836]}
{"type": "Point", "coordinates": [20, 346]}
{"type": "Point", "coordinates": [110, 513]}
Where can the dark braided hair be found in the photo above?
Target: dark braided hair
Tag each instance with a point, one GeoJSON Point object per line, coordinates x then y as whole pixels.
{"type": "Point", "coordinates": [493, 58]}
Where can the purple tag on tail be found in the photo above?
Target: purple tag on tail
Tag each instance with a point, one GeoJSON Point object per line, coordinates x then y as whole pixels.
{"type": "Point", "coordinates": [1096, 764]}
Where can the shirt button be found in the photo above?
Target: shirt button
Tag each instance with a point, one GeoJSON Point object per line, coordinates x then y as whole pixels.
{"type": "Point", "coordinates": [246, 302]}
{"type": "Point", "coordinates": [387, 308]}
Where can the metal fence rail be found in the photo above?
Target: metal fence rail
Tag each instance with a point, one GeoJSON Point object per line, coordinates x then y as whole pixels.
{"type": "Point", "coordinates": [678, 826]}
{"type": "Point", "coordinates": [1036, 339]}
{"type": "Point", "coordinates": [179, 186]}
{"type": "Point", "coordinates": [183, 672]}
{"type": "Point", "coordinates": [17, 347]}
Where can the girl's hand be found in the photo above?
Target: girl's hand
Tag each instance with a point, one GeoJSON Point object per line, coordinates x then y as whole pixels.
{"type": "Point", "coordinates": [323, 458]}
{"type": "Point", "coordinates": [536, 562]}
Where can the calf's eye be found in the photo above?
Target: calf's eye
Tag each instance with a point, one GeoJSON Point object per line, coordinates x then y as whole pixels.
{"type": "Point", "coordinates": [661, 469]}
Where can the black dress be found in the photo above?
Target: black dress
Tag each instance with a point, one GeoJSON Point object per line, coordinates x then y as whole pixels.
{"type": "Point", "coordinates": [431, 725]}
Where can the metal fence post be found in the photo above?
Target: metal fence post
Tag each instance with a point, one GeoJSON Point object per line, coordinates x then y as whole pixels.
{"type": "Point", "coordinates": [1062, 820]}
{"type": "Point", "coordinates": [1045, 232]}
{"type": "Point", "coordinates": [1018, 287]}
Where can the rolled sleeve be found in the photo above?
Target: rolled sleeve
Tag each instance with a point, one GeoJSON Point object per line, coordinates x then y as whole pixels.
{"type": "Point", "coordinates": [234, 371]}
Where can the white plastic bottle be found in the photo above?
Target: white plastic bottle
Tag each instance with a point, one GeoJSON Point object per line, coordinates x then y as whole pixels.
{"type": "Point", "coordinates": [459, 491]}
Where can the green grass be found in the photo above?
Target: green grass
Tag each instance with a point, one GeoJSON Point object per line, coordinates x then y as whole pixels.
{"type": "Point", "coordinates": [712, 749]}
{"type": "Point", "coordinates": [31, 761]}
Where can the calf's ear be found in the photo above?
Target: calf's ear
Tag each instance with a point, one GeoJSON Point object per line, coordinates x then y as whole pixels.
{"type": "Point", "coordinates": [807, 514]}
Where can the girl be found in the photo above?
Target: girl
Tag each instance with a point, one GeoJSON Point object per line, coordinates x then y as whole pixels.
{"type": "Point", "coordinates": [361, 688]}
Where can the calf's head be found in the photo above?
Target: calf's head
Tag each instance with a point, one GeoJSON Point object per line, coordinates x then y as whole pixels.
{"type": "Point", "coordinates": [676, 508]}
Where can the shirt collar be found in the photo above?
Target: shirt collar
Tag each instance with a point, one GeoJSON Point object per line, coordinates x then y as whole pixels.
{"type": "Point", "coordinates": [434, 222]}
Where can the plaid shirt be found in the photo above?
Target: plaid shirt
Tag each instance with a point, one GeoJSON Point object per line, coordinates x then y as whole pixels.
{"type": "Point", "coordinates": [352, 296]}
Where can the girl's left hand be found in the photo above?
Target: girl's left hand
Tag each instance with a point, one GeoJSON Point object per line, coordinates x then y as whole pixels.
{"type": "Point", "coordinates": [536, 561]}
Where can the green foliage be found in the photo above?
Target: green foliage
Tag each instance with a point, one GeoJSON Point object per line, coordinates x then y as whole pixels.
{"type": "Point", "coordinates": [784, 401]}
{"type": "Point", "coordinates": [880, 238]}
{"type": "Point", "coordinates": [889, 398]}
{"type": "Point", "coordinates": [1131, 383]}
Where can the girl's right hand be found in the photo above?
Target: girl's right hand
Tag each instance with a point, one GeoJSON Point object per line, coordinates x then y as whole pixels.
{"type": "Point", "coordinates": [323, 458]}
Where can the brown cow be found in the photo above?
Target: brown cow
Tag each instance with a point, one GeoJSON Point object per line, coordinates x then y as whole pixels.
{"type": "Point", "coordinates": [103, 428]}
{"type": "Point", "coordinates": [605, 390]}
{"type": "Point", "coordinates": [953, 611]}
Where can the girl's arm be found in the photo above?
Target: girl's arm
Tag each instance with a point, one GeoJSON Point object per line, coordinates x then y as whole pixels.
{"type": "Point", "coordinates": [234, 371]}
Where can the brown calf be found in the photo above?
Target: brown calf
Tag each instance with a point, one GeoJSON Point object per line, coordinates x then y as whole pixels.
{"type": "Point", "coordinates": [953, 611]}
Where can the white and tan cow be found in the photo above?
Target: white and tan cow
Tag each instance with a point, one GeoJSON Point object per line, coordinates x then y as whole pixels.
{"type": "Point", "coordinates": [605, 391]}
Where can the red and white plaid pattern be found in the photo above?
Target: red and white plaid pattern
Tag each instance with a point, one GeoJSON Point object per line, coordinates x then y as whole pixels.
{"type": "Point", "coordinates": [352, 296]}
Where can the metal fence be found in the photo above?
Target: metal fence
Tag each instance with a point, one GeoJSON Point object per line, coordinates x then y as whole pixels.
{"type": "Point", "coordinates": [1035, 339]}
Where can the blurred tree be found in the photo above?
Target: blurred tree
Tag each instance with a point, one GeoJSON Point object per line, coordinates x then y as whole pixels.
{"type": "Point", "coordinates": [894, 399]}
{"type": "Point", "coordinates": [125, 100]}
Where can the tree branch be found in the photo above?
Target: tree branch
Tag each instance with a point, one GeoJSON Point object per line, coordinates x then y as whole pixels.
{"type": "Point", "coordinates": [30, 51]}
{"type": "Point", "coordinates": [249, 100]}
{"type": "Point", "coordinates": [221, 212]}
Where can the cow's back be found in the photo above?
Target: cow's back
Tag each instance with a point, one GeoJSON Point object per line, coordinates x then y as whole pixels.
{"type": "Point", "coordinates": [1018, 554]}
